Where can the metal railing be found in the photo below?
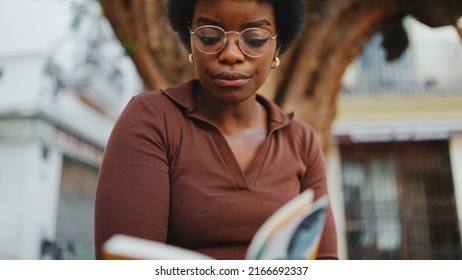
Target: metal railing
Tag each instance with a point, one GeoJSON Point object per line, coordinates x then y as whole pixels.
{"type": "Point", "coordinates": [434, 68]}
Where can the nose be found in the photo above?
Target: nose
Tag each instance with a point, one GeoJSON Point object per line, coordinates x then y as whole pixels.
{"type": "Point", "coordinates": [232, 52]}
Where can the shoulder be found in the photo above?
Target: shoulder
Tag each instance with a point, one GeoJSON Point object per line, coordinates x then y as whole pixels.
{"type": "Point", "coordinates": [301, 128]}
{"type": "Point", "coordinates": [305, 133]}
{"type": "Point", "coordinates": [295, 131]}
{"type": "Point", "coordinates": [169, 100]}
{"type": "Point", "coordinates": [153, 117]}
{"type": "Point", "coordinates": [148, 98]}
{"type": "Point", "coordinates": [304, 137]}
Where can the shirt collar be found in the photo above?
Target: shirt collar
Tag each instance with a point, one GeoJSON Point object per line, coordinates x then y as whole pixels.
{"type": "Point", "coordinates": [183, 95]}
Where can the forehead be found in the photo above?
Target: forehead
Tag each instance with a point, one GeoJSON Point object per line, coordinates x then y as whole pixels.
{"type": "Point", "coordinates": [233, 14]}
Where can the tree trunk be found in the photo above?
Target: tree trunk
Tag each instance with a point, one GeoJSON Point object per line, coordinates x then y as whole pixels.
{"type": "Point", "coordinates": [141, 27]}
{"type": "Point", "coordinates": [309, 78]}
{"type": "Point", "coordinates": [334, 34]}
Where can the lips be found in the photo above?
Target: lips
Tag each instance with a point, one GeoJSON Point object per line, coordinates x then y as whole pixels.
{"type": "Point", "coordinates": [231, 79]}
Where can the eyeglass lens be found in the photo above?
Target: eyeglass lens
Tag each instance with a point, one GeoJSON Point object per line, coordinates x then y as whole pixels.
{"type": "Point", "coordinates": [253, 42]}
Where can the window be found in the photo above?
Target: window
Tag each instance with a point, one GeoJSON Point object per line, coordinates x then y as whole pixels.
{"type": "Point", "coordinates": [399, 201]}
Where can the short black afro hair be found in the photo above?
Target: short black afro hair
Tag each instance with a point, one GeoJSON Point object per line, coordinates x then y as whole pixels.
{"type": "Point", "coordinates": [289, 16]}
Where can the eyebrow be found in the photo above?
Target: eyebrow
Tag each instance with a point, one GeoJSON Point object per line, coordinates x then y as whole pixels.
{"type": "Point", "coordinates": [204, 20]}
{"type": "Point", "coordinates": [257, 23]}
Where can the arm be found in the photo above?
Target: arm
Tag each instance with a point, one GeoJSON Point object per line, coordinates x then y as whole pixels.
{"type": "Point", "coordinates": [315, 178]}
{"type": "Point", "coordinates": [132, 195]}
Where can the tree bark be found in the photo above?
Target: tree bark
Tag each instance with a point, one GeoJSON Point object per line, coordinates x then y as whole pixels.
{"type": "Point", "coordinates": [309, 78]}
{"type": "Point", "coordinates": [141, 27]}
{"type": "Point", "coordinates": [322, 55]}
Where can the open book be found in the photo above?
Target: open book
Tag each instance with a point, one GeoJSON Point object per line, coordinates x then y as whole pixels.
{"type": "Point", "coordinates": [292, 232]}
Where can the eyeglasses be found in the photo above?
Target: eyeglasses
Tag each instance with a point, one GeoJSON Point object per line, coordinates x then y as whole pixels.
{"type": "Point", "coordinates": [211, 39]}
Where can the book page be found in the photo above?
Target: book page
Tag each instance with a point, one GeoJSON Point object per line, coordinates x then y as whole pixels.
{"type": "Point", "coordinates": [129, 247]}
{"type": "Point", "coordinates": [292, 232]}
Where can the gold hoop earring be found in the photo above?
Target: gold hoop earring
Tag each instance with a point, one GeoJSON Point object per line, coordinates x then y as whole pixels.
{"type": "Point", "coordinates": [190, 57]}
{"type": "Point", "coordinates": [275, 63]}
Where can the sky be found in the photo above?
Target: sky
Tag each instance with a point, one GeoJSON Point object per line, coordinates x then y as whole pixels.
{"type": "Point", "coordinates": [29, 26]}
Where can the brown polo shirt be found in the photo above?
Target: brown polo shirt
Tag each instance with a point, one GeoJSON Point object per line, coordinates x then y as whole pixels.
{"type": "Point", "coordinates": [169, 175]}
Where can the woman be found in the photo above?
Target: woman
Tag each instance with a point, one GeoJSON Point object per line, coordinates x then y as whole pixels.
{"type": "Point", "coordinates": [204, 164]}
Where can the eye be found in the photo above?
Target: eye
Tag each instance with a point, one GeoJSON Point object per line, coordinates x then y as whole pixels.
{"type": "Point", "coordinates": [255, 37]}
{"type": "Point", "coordinates": [208, 40]}
{"type": "Point", "coordinates": [256, 43]}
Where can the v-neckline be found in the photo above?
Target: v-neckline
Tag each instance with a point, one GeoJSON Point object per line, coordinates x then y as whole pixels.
{"type": "Point", "coordinates": [244, 179]}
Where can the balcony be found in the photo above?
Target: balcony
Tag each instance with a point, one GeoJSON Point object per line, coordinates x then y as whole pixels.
{"type": "Point", "coordinates": [431, 66]}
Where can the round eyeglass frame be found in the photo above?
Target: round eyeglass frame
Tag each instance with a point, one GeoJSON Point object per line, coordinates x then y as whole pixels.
{"type": "Point", "coordinates": [225, 41]}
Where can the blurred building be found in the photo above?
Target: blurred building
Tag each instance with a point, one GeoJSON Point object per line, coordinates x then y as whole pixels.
{"type": "Point", "coordinates": [58, 103]}
{"type": "Point", "coordinates": [396, 166]}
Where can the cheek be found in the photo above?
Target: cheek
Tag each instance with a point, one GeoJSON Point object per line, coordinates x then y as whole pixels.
{"type": "Point", "coordinates": [198, 66]}
{"type": "Point", "coordinates": [267, 60]}
{"type": "Point", "coordinates": [264, 67]}
{"type": "Point", "coordinates": [201, 69]}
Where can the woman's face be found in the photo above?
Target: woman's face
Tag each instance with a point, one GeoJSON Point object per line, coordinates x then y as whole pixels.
{"type": "Point", "coordinates": [230, 75]}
